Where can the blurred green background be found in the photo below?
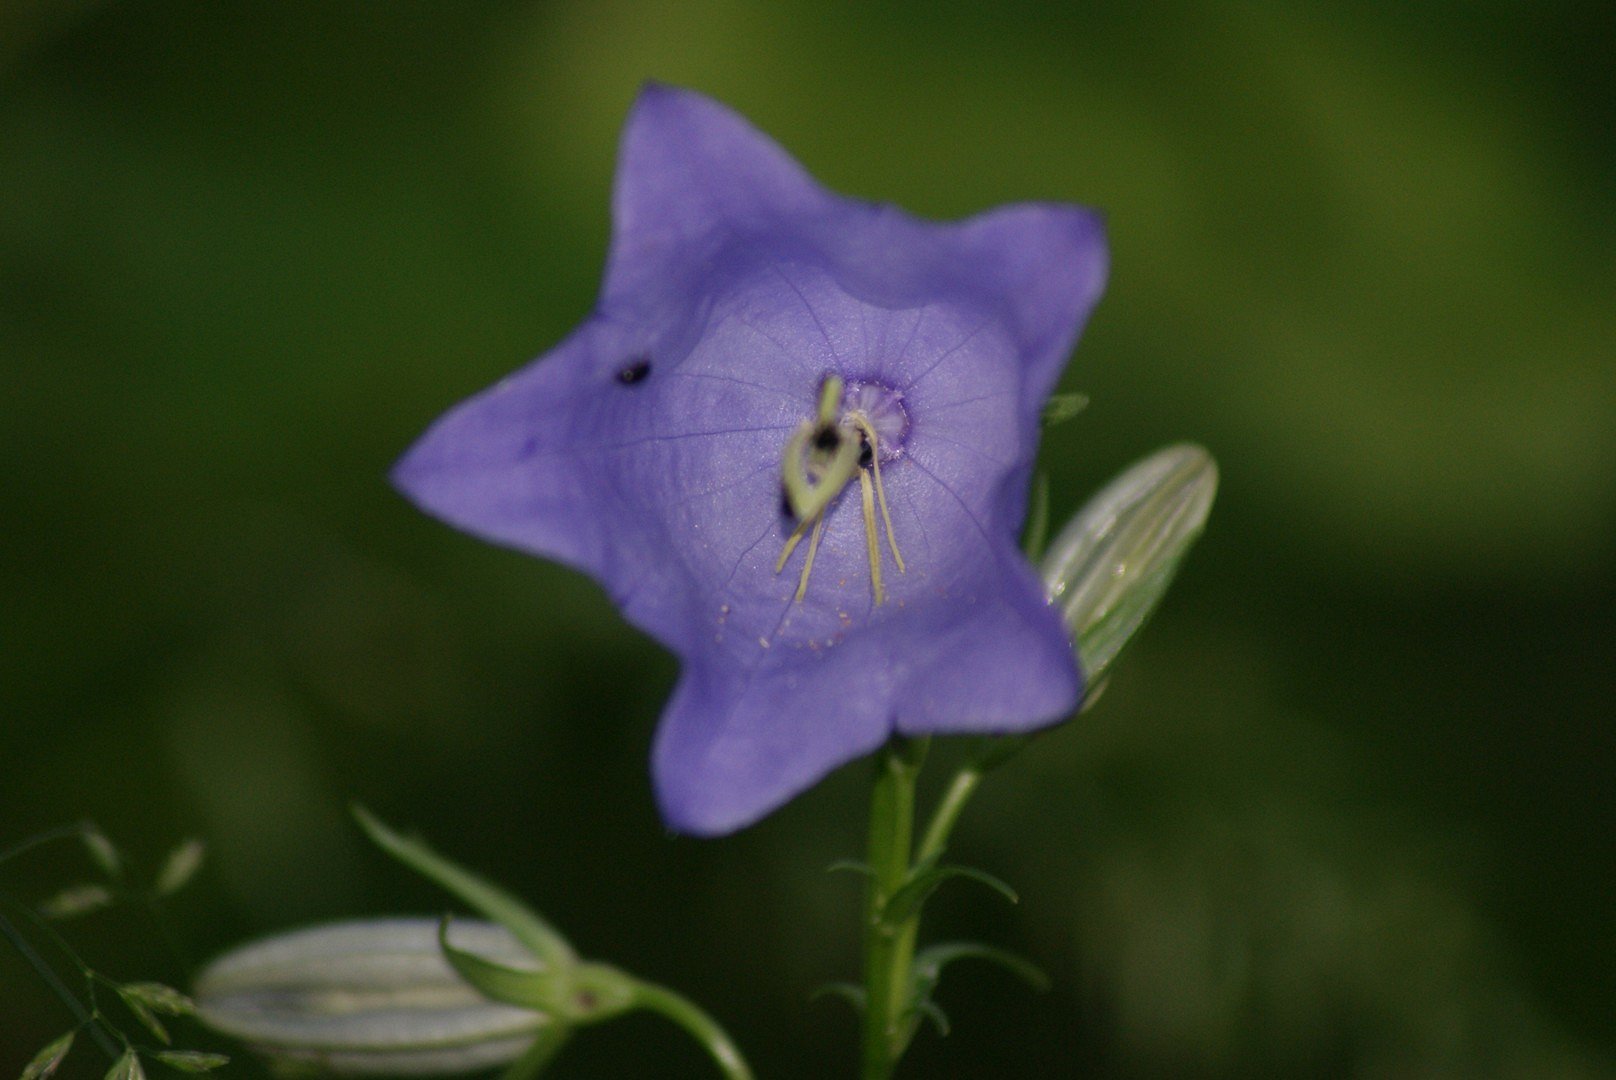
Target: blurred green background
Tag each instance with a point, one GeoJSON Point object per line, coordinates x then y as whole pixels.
{"type": "Point", "coordinates": [1346, 810]}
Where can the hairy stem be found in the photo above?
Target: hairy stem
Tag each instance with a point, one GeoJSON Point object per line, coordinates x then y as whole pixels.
{"type": "Point", "coordinates": [889, 948]}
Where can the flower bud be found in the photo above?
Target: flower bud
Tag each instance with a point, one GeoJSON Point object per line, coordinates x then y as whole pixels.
{"type": "Point", "coordinates": [369, 997]}
{"type": "Point", "coordinates": [1110, 565]}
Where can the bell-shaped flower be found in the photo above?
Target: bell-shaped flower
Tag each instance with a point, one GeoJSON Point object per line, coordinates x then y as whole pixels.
{"type": "Point", "coordinates": [793, 441]}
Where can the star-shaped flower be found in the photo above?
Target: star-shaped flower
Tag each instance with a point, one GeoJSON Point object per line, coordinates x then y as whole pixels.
{"type": "Point", "coordinates": [793, 441]}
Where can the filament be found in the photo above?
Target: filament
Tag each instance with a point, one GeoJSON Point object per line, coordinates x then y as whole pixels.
{"type": "Point", "coordinates": [867, 496]}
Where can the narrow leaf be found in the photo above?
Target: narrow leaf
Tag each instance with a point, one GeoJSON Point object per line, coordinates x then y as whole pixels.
{"type": "Point", "coordinates": [102, 852]}
{"type": "Point", "coordinates": [165, 999]}
{"type": "Point", "coordinates": [76, 900]}
{"type": "Point", "coordinates": [846, 991]}
{"type": "Point", "coordinates": [849, 865]}
{"type": "Point", "coordinates": [180, 867]}
{"type": "Point", "coordinates": [904, 903]}
{"type": "Point", "coordinates": [930, 1010]}
{"type": "Point", "coordinates": [144, 1014]}
{"type": "Point", "coordinates": [127, 1067]}
{"type": "Point", "coordinates": [1062, 407]}
{"type": "Point", "coordinates": [480, 895]}
{"type": "Point", "coordinates": [49, 1059]}
{"type": "Point", "coordinates": [496, 982]}
{"type": "Point", "coordinates": [930, 962]}
{"type": "Point", "coordinates": [192, 1061]}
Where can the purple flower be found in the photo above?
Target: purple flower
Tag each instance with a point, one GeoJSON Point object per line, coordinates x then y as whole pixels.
{"type": "Point", "coordinates": [793, 441]}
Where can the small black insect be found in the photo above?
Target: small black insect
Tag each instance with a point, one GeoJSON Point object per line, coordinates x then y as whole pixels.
{"type": "Point", "coordinates": [634, 371]}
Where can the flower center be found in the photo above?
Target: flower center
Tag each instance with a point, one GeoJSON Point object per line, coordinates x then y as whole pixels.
{"type": "Point", "coordinates": [882, 406]}
{"type": "Point", "coordinates": [856, 428]}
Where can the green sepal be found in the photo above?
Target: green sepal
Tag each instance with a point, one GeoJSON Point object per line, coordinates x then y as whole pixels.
{"type": "Point", "coordinates": [192, 1061]}
{"type": "Point", "coordinates": [991, 751]}
{"type": "Point", "coordinates": [925, 880]}
{"type": "Point", "coordinates": [1062, 407]}
{"type": "Point", "coordinates": [477, 893]}
{"type": "Point", "coordinates": [930, 962]}
{"type": "Point", "coordinates": [856, 996]}
{"type": "Point", "coordinates": [127, 1067]}
{"type": "Point", "coordinates": [1036, 534]}
{"type": "Point", "coordinates": [496, 982]}
{"type": "Point", "coordinates": [599, 992]}
{"type": "Point", "coordinates": [546, 1045]}
{"type": "Point", "coordinates": [48, 1060]}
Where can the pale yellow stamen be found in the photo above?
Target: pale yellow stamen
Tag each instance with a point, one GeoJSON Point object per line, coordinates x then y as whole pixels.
{"type": "Point", "coordinates": [791, 544]}
{"type": "Point", "coordinates": [864, 425]}
{"type": "Point", "coordinates": [808, 563]}
{"type": "Point", "coordinates": [867, 496]}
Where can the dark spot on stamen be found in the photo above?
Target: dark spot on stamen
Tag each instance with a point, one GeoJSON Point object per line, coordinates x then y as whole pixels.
{"type": "Point", "coordinates": [866, 455]}
{"type": "Point", "coordinates": [634, 371]}
{"type": "Point", "coordinates": [827, 439]}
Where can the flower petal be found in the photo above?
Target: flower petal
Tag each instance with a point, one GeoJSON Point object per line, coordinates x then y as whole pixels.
{"type": "Point", "coordinates": [740, 738]}
{"type": "Point", "coordinates": [1048, 264]}
{"type": "Point", "coordinates": [691, 175]}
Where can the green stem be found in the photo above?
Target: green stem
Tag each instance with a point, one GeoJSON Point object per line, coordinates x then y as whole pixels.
{"type": "Point", "coordinates": [59, 833]}
{"type": "Point", "coordinates": [889, 948]}
{"type": "Point", "coordinates": [703, 1028]}
{"type": "Point", "coordinates": [86, 1019]}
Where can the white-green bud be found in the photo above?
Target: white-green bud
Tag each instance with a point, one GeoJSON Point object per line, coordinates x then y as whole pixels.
{"type": "Point", "coordinates": [1110, 565]}
{"type": "Point", "coordinates": [369, 997]}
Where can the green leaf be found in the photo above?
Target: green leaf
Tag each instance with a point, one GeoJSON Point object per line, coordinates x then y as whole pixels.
{"type": "Point", "coordinates": [76, 900]}
{"type": "Point", "coordinates": [930, 1010]}
{"type": "Point", "coordinates": [180, 867]}
{"type": "Point", "coordinates": [147, 1018]}
{"type": "Point", "coordinates": [480, 895]}
{"type": "Point", "coordinates": [496, 982]}
{"type": "Point", "coordinates": [48, 1060]}
{"type": "Point", "coordinates": [127, 1067]}
{"type": "Point", "coordinates": [855, 996]}
{"type": "Point", "coordinates": [930, 962]}
{"type": "Point", "coordinates": [1036, 534]}
{"type": "Point", "coordinates": [102, 852]}
{"type": "Point", "coordinates": [1062, 407]}
{"type": "Point", "coordinates": [165, 999]}
{"type": "Point", "coordinates": [192, 1061]}
{"type": "Point", "coordinates": [904, 903]}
